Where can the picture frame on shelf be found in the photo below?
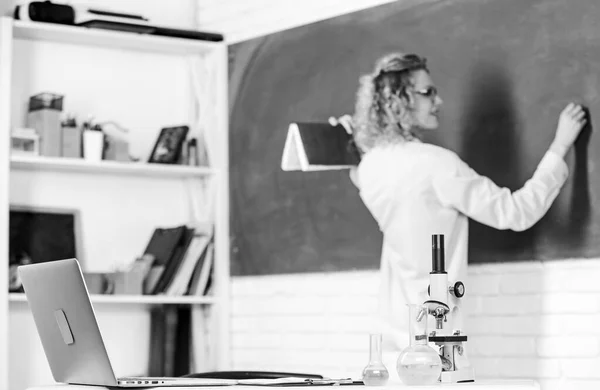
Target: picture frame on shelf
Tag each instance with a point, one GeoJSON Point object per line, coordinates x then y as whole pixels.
{"type": "Point", "coordinates": [169, 145]}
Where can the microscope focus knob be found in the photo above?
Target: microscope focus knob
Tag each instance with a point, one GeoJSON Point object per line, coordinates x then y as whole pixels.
{"type": "Point", "coordinates": [458, 290]}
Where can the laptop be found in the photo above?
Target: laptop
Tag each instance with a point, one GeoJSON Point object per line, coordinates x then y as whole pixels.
{"type": "Point", "coordinates": [65, 320]}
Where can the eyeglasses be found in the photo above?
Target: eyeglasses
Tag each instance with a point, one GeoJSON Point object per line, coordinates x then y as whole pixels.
{"type": "Point", "coordinates": [430, 92]}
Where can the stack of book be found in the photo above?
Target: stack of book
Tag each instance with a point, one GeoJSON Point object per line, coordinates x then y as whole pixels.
{"type": "Point", "coordinates": [182, 261]}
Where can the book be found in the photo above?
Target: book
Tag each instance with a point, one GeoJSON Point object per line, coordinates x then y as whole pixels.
{"type": "Point", "coordinates": [179, 283]}
{"type": "Point", "coordinates": [202, 272]}
{"type": "Point", "coordinates": [171, 318]}
{"type": "Point", "coordinates": [200, 338]}
{"type": "Point", "coordinates": [184, 352]}
{"type": "Point", "coordinates": [156, 354]}
{"type": "Point", "coordinates": [318, 146]}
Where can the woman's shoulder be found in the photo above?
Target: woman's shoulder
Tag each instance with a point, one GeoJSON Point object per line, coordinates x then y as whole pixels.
{"type": "Point", "coordinates": [434, 153]}
{"type": "Point", "coordinates": [424, 155]}
{"type": "Point", "coordinates": [410, 150]}
{"type": "Point", "coordinates": [406, 163]}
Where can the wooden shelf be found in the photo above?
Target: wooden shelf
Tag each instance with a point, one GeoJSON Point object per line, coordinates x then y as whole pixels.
{"type": "Point", "coordinates": [63, 164]}
{"type": "Point", "coordinates": [49, 32]}
{"type": "Point", "coordinates": [135, 299]}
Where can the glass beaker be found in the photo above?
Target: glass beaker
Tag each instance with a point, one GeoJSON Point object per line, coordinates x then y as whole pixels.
{"type": "Point", "coordinates": [418, 364]}
{"type": "Point", "coordinates": [375, 373]}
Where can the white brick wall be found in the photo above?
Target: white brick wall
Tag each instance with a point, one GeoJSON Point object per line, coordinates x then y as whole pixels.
{"type": "Point", "coordinates": [305, 322]}
{"type": "Point", "coordinates": [535, 320]}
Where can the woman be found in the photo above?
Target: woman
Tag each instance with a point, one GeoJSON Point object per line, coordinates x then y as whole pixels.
{"type": "Point", "coordinates": [414, 189]}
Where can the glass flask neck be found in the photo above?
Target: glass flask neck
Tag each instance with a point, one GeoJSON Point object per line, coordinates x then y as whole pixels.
{"type": "Point", "coordinates": [419, 339]}
{"type": "Point", "coordinates": [375, 354]}
{"type": "Point", "coordinates": [417, 317]}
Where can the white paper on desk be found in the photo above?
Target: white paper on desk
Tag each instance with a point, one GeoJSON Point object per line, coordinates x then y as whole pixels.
{"type": "Point", "coordinates": [272, 382]}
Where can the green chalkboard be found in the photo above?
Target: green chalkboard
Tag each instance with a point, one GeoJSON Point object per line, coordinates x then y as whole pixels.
{"type": "Point", "coordinates": [505, 70]}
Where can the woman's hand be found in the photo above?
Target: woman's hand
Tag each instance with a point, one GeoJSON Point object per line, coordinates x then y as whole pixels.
{"type": "Point", "coordinates": [571, 121]}
{"type": "Point", "coordinates": [346, 121]}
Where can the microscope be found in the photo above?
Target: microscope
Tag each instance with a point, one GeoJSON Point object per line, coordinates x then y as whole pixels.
{"type": "Point", "coordinates": [455, 365]}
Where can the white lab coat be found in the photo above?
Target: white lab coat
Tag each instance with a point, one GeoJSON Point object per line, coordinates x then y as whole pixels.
{"type": "Point", "coordinates": [414, 190]}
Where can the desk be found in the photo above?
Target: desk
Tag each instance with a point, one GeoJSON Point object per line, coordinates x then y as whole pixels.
{"type": "Point", "coordinates": [479, 385]}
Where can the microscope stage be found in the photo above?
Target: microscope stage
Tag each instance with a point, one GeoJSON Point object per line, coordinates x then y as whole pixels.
{"type": "Point", "coordinates": [447, 339]}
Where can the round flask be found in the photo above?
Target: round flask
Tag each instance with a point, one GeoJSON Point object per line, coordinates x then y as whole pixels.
{"type": "Point", "coordinates": [418, 364]}
{"type": "Point", "coordinates": [375, 373]}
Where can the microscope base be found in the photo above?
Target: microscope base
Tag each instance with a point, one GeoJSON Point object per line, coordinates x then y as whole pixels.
{"type": "Point", "coordinates": [458, 376]}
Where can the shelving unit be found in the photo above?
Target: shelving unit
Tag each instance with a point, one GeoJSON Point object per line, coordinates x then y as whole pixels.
{"type": "Point", "coordinates": [40, 163]}
{"type": "Point", "coordinates": [135, 299]}
{"type": "Point", "coordinates": [213, 94]}
{"type": "Point", "coordinates": [112, 39]}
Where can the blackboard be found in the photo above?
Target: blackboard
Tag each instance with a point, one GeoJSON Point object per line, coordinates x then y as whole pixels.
{"type": "Point", "coordinates": [505, 70]}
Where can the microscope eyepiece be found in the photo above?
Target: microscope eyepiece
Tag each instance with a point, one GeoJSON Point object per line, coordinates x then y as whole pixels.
{"type": "Point", "coordinates": [438, 261]}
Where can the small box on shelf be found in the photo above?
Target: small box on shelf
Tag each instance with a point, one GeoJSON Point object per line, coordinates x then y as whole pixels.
{"type": "Point", "coordinates": [71, 138]}
{"type": "Point", "coordinates": [127, 282]}
{"type": "Point", "coordinates": [93, 143]}
{"type": "Point", "coordinates": [25, 141]}
{"type": "Point", "coordinates": [46, 100]}
{"type": "Point", "coordinates": [116, 147]}
{"type": "Point", "coordinates": [114, 283]}
{"type": "Point", "coordinates": [44, 116]}
{"type": "Point", "coordinates": [96, 282]}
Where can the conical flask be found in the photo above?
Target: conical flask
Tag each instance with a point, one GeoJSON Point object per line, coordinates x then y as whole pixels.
{"type": "Point", "coordinates": [375, 373]}
{"type": "Point", "coordinates": [418, 364]}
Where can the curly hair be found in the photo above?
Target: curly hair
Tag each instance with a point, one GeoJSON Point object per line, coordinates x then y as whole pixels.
{"type": "Point", "coordinates": [392, 76]}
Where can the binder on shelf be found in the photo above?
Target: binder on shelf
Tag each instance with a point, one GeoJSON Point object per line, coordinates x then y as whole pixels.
{"type": "Point", "coordinates": [172, 266]}
{"type": "Point", "coordinates": [318, 147]}
{"type": "Point", "coordinates": [162, 246]}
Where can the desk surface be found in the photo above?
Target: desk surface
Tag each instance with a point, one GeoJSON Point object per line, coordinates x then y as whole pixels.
{"type": "Point", "coordinates": [479, 385]}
